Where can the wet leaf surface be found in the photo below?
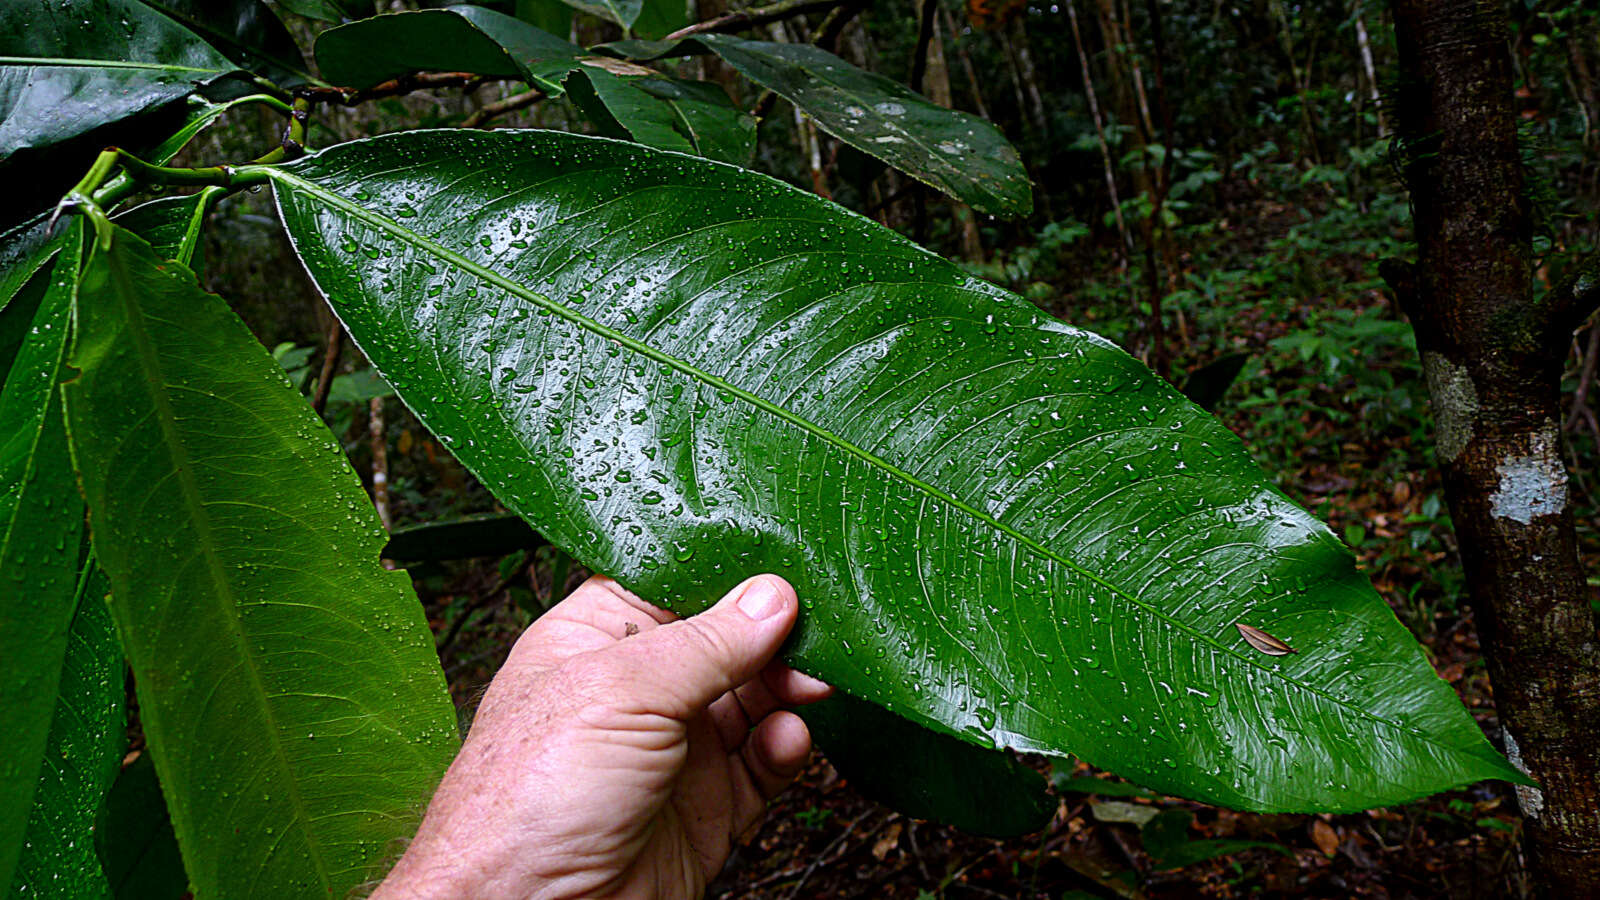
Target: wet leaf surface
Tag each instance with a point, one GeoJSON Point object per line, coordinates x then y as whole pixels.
{"type": "Point", "coordinates": [1002, 527]}
{"type": "Point", "coordinates": [299, 717]}
{"type": "Point", "coordinates": [67, 68]}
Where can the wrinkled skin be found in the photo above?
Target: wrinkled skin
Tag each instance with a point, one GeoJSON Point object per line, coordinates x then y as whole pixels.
{"type": "Point", "coordinates": [619, 752]}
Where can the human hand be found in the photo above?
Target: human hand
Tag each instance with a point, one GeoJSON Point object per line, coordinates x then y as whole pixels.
{"type": "Point", "coordinates": [614, 756]}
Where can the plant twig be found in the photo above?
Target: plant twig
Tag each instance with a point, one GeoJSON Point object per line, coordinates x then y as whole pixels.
{"type": "Point", "coordinates": [919, 56]}
{"type": "Point", "coordinates": [753, 17]}
{"type": "Point", "coordinates": [330, 364]}
{"type": "Point", "coordinates": [394, 87]}
{"type": "Point", "coordinates": [1580, 394]}
{"type": "Point", "coordinates": [833, 25]}
{"type": "Point", "coordinates": [501, 107]}
{"type": "Point", "coordinates": [804, 876]}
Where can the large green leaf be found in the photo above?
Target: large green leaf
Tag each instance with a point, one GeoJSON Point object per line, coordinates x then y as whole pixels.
{"type": "Point", "coordinates": [298, 717]}
{"type": "Point", "coordinates": [1001, 527]}
{"type": "Point", "coordinates": [960, 154]}
{"type": "Point", "coordinates": [41, 524]}
{"type": "Point", "coordinates": [69, 67]}
{"type": "Point", "coordinates": [456, 39]}
{"type": "Point", "coordinates": [87, 736]}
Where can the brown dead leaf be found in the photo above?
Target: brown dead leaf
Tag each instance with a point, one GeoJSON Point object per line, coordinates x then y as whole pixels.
{"type": "Point", "coordinates": [889, 840]}
{"type": "Point", "coordinates": [617, 66]}
{"type": "Point", "coordinates": [1326, 839]}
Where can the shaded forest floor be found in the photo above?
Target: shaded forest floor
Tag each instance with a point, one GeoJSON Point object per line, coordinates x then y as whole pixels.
{"type": "Point", "coordinates": [1331, 404]}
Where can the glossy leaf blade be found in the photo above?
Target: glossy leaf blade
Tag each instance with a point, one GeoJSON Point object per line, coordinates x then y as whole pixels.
{"type": "Point", "coordinates": [960, 154]}
{"type": "Point", "coordinates": [456, 39]}
{"type": "Point", "coordinates": [298, 717]}
{"type": "Point", "coordinates": [665, 113]}
{"type": "Point", "coordinates": [41, 527]}
{"type": "Point", "coordinates": [66, 68]}
{"type": "Point", "coordinates": [87, 736]}
{"type": "Point", "coordinates": [1002, 527]}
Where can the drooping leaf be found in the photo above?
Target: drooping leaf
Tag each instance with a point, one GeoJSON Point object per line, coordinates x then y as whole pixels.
{"type": "Point", "coordinates": [1002, 527]}
{"type": "Point", "coordinates": [66, 68]}
{"type": "Point", "coordinates": [84, 752]}
{"type": "Point", "coordinates": [960, 154]}
{"type": "Point", "coordinates": [41, 525]}
{"type": "Point", "coordinates": [246, 31]}
{"type": "Point", "coordinates": [134, 840]}
{"type": "Point", "coordinates": [299, 717]}
{"type": "Point", "coordinates": [927, 775]}
{"type": "Point", "coordinates": [492, 535]}
{"type": "Point", "coordinates": [454, 39]}
{"type": "Point", "coordinates": [687, 116]}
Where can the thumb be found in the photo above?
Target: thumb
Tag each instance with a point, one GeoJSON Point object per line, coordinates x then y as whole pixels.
{"type": "Point", "coordinates": [678, 669]}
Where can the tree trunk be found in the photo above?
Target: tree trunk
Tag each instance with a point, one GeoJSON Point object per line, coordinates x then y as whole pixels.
{"type": "Point", "coordinates": [1492, 356]}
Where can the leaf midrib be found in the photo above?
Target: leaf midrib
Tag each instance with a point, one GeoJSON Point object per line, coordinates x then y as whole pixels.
{"type": "Point", "coordinates": [166, 418]}
{"type": "Point", "coordinates": [66, 62]}
{"type": "Point", "coordinates": [396, 229]}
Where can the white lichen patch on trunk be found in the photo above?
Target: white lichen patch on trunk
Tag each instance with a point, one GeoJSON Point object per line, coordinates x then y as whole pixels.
{"type": "Point", "coordinates": [1529, 799]}
{"type": "Point", "coordinates": [1455, 403]}
{"type": "Point", "coordinates": [1534, 484]}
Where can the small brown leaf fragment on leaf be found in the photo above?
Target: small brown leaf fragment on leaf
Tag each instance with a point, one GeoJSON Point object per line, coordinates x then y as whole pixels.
{"type": "Point", "coordinates": [1262, 641]}
{"type": "Point", "coordinates": [617, 66]}
{"type": "Point", "coordinates": [888, 841]}
{"type": "Point", "coordinates": [1326, 839]}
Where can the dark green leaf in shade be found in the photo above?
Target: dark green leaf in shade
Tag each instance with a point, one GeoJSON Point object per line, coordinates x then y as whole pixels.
{"type": "Point", "coordinates": [1001, 526]}
{"type": "Point", "coordinates": [25, 252]}
{"type": "Point", "coordinates": [1086, 784]}
{"type": "Point", "coordinates": [454, 39]}
{"type": "Point", "coordinates": [134, 840]}
{"type": "Point", "coordinates": [84, 752]}
{"type": "Point", "coordinates": [1206, 385]}
{"type": "Point", "coordinates": [172, 225]}
{"type": "Point", "coordinates": [686, 116]}
{"type": "Point", "coordinates": [659, 18]}
{"type": "Point", "coordinates": [246, 31]}
{"type": "Point", "coordinates": [69, 67]}
{"type": "Point", "coordinates": [41, 526]}
{"type": "Point", "coordinates": [960, 154]}
{"type": "Point", "coordinates": [491, 535]}
{"type": "Point", "coordinates": [329, 10]}
{"type": "Point", "coordinates": [217, 496]}
{"type": "Point", "coordinates": [1166, 839]}
{"type": "Point", "coordinates": [546, 15]}
{"type": "Point", "coordinates": [622, 12]}
{"type": "Point", "coordinates": [927, 775]}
